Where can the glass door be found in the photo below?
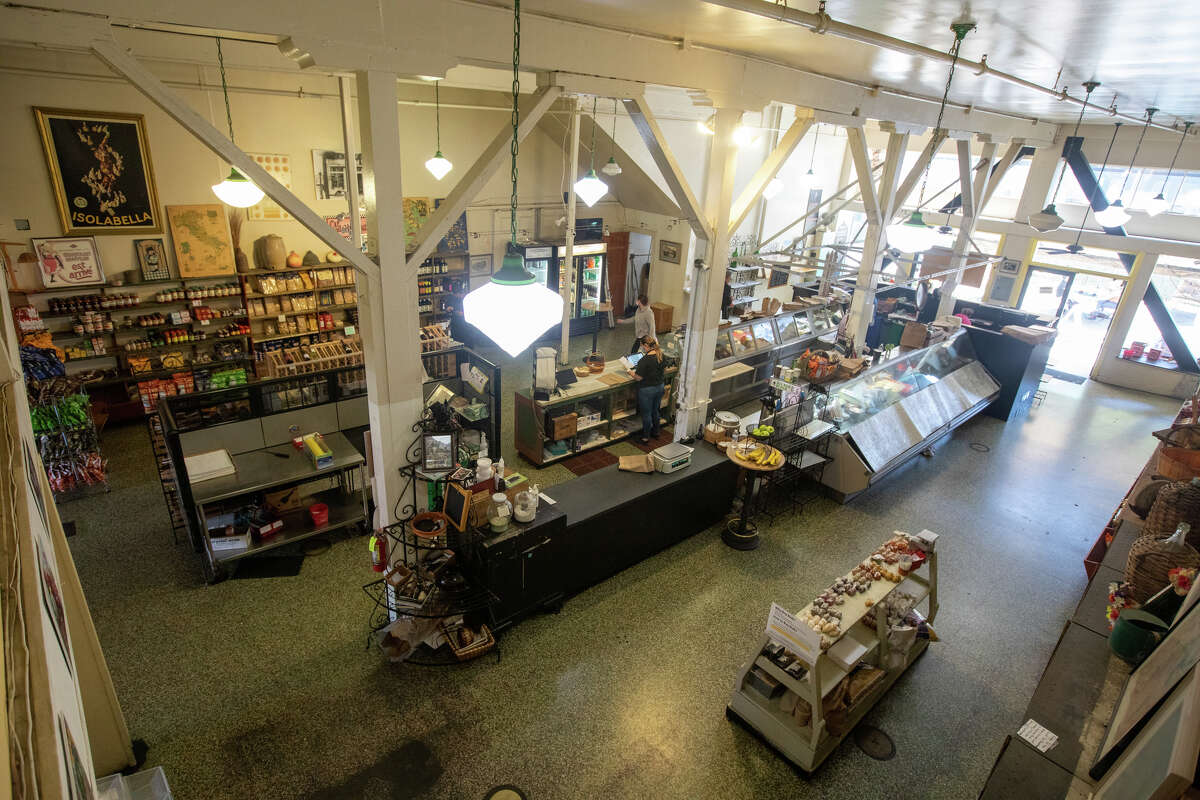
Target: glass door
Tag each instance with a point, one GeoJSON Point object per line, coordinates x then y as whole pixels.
{"type": "Point", "coordinates": [591, 268]}
{"type": "Point", "coordinates": [1045, 291]}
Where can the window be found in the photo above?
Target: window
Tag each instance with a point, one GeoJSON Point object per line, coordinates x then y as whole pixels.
{"type": "Point", "coordinates": [1182, 190]}
{"type": "Point", "coordinates": [1178, 283]}
{"type": "Point", "coordinates": [1092, 259]}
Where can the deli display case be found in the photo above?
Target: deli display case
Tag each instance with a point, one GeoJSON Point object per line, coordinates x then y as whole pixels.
{"type": "Point", "coordinates": [747, 352]}
{"type": "Point", "coordinates": [896, 409]}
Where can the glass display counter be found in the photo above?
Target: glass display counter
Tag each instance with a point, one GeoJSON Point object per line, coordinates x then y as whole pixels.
{"type": "Point", "coordinates": [896, 409]}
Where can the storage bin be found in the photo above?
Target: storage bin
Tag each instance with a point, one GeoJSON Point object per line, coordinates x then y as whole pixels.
{"type": "Point", "coordinates": [112, 787]}
{"type": "Point", "coordinates": [150, 784]}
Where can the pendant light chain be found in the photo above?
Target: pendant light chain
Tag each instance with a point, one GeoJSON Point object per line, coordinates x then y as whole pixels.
{"type": "Point", "coordinates": [1096, 188]}
{"type": "Point", "coordinates": [812, 157]}
{"type": "Point", "coordinates": [224, 88]}
{"type": "Point", "coordinates": [437, 115]}
{"type": "Point", "coordinates": [613, 139]}
{"type": "Point", "coordinates": [516, 117]}
{"type": "Point", "coordinates": [1179, 147]}
{"type": "Point", "coordinates": [1090, 86]}
{"type": "Point", "coordinates": [593, 145]}
{"type": "Point", "coordinates": [960, 32]}
{"type": "Point", "coordinates": [1149, 115]}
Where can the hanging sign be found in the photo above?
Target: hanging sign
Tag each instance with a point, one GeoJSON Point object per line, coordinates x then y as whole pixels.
{"type": "Point", "coordinates": [784, 629]}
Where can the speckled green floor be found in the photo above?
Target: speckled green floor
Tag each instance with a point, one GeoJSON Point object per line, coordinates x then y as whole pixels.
{"type": "Point", "coordinates": [263, 688]}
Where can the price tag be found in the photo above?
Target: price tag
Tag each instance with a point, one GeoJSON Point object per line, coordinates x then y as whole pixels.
{"type": "Point", "coordinates": [783, 628]}
{"type": "Point", "coordinates": [282, 318]}
{"type": "Point", "coordinates": [349, 330]}
{"type": "Point", "coordinates": [203, 322]}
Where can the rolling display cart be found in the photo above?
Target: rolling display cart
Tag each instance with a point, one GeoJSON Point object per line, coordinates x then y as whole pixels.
{"type": "Point", "coordinates": [764, 689]}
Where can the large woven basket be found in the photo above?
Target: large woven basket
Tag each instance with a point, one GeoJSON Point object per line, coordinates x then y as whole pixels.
{"type": "Point", "coordinates": [1175, 503]}
{"type": "Point", "coordinates": [1148, 563]}
{"type": "Point", "coordinates": [1178, 463]}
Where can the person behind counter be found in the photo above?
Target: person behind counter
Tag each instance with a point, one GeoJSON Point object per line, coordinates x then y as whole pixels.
{"type": "Point", "coordinates": [649, 374]}
{"type": "Point", "coordinates": [643, 322]}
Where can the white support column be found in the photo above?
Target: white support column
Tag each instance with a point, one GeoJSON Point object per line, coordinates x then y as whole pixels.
{"type": "Point", "coordinates": [916, 171]}
{"type": "Point", "coordinates": [389, 315]}
{"type": "Point", "coordinates": [564, 281]}
{"type": "Point", "coordinates": [880, 205]}
{"type": "Point", "coordinates": [704, 312]}
{"type": "Point", "coordinates": [973, 193]}
{"type": "Point", "coordinates": [652, 135]}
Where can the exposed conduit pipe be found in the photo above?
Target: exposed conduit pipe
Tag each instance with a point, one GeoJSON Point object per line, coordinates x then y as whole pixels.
{"type": "Point", "coordinates": [823, 23]}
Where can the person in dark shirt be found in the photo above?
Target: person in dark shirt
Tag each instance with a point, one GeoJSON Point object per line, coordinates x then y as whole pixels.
{"type": "Point", "coordinates": [726, 298]}
{"type": "Point", "coordinates": [649, 374]}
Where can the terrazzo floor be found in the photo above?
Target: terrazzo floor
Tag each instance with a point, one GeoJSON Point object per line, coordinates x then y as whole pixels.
{"type": "Point", "coordinates": [263, 688]}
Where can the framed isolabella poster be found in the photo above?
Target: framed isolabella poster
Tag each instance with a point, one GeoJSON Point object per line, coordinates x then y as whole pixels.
{"type": "Point", "coordinates": [100, 170]}
{"type": "Point", "coordinates": [69, 261]}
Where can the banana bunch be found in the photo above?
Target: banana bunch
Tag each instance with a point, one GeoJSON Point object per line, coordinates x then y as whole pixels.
{"type": "Point", "coordinates": [765, 456]}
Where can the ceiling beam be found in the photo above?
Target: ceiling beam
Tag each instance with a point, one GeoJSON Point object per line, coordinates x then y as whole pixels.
{"type": "Point", "coordinates": [769, 169]}
{"type": "Point", "coordinates": [965, 177]}
{"type": "Point", "coordinates": [918, 169]}
{"type": "Point", "coordinates": [647, 127]}
{"type": "Point", "coordinates": [857, 138]}
{"type": "Point", "coordinates": [477, 176]}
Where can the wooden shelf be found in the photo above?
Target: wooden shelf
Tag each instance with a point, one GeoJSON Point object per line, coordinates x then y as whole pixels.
{"type": "Point", "coordinates": [262, 339]}
{"type": "Point", "coordinates": [260, 317]}
{"type": "Point", "coordinates": [260, 296]}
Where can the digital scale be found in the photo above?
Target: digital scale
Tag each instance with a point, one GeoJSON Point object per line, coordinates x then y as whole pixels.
{"type": "Point", "coordinates": [671, 457]}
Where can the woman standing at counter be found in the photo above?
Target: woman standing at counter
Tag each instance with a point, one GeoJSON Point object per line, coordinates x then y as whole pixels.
{"type": "Point", "coordinates": [649, 374]}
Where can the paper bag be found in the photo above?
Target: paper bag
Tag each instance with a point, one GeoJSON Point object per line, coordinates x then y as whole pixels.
{"type": "Point", "coordinates": [636, 463]}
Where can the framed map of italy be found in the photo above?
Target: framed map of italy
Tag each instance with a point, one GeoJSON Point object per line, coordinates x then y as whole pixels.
{"type": "Point", "coordinates": [201, 237]}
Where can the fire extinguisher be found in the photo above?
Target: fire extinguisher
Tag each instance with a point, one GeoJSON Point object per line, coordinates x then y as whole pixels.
{"type": "Point", "coordinates": [378, 548]}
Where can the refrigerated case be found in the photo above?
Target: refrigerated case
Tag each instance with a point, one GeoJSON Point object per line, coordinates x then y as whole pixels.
{"type": "Point", "coordinates": [537, 260]}
{"type": "Point", "coordinates": [586, 275]}
{"type": "Point", "coordinates": [895, 410]}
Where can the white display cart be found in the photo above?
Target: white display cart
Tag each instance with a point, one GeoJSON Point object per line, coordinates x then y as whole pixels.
{"type": "Point", "coordinates": [808, 745]}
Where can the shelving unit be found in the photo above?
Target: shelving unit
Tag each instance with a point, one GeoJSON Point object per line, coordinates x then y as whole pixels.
{"type": "Point", "coordinates": [810, 744]}
{"type": "Point", "coordinates": [281, 323]}
{"type": "Point", "coordinates": [436, 278]}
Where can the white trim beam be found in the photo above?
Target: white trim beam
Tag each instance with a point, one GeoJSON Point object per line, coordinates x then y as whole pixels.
{"type": "Point", "coordinates": [214, 140]}
{"type": "Point", "coordinates": [1006, 161]}
{"type": "Point", "coordinates": [564, 286]}
{"type": "Point", "coordinates": [647, 127]}
{"type": "Point", "coordinates": [918, 169]}
{"type": "Point", "coordinates": [857, 142]}
{"type": "Point", "coordinates": [966, 190]}
{"type": "Point", "coordinates": [475, 178]}
{"type": "Point", "coordinates": [768, 170]}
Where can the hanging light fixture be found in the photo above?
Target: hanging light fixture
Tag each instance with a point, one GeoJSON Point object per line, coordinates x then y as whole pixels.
{"type": "Point", "coordinates": [439, 165]}
{"type": "Point", "coordinates": [236, 190]}
{"type": "Point", "coordinates": [590, 188]}
{"type": "Point", "coordinates": [1158, 204]}
{"type": "Point", "coordinates": [913, 235]}
{"type": "Point", "coordinates": [708, 126]}
{"type": "Point", "coordinates": [744, 135]}
{"type": "Point", "coordinates": [1077, 247]}
{"type": "Point", "coordinates": [1048, 219]}
{"type": "Point", "coordinates": [612, 167]}
{"type": "Point", "coordinates": [1115, 215]}
{"type": "Point", "coordinates": [513, 308]}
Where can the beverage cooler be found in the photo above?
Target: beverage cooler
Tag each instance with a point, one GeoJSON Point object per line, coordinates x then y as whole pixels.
{"type": "Point", "coordinates": [537, 260]}
{"type": "Point", "coordinates": [586, 275]}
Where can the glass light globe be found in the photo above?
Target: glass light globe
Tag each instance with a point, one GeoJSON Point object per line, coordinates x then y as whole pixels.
{"type": "Point", "coordinates": [912, 235]}
{"type": "Point", "coordinates": [439, 165]}
{"type": "Point", "coordinates": [590, 188]}
{"type": "Point", "coordinates": [612, 167]}
{"type": "Point", "coordinates": [237, 191]}
{"type": "Point", "coordinates": [1046, 220]}
{"type": "Point", "coordinates": [1156, 205]}
{"type": "Point", "coordinates": [1114, 216]}
{"type": "Point", "coordinates": [773, 188]}
{"type": "Point", "coordinates": [513, 309]}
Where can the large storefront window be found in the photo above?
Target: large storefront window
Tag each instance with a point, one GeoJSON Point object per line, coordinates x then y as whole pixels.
{"type": "Point", "coordinates": [982, 245]}
{"type": "Point", "coordinates": [1178, 283]}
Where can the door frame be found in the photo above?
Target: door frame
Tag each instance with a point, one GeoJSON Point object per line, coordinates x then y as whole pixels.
{"type": "Point", "coordinates": [1070, 275]}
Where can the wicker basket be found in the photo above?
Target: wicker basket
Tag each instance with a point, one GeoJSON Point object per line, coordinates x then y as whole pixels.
{"type": "Point", "coordinates": [1148, 563]}
{"type": "Point", "coordinates": [483, 643]}
{"type": "Point", "coordinates": [1178, 464]}
{"type": "Point", "coordinates": [1175, 503]}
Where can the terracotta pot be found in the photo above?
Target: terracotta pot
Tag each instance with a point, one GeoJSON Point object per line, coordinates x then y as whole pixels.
{"type": "Point", "coordinates": [269, 252]}
{"type": "Point", "coordinates": [294, 259]}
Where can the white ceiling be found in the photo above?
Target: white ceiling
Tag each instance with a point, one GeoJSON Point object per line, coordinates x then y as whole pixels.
{"type": "Point", "coordinates": [1144, 50]}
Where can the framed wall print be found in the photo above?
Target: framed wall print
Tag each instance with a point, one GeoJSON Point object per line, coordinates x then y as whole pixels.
{"type": "Point", "coordinates": [438, 451]}
{"type": "Point", "coordinates": [152, 258]}
{"type": "Point", "coordinates": [201, 237]}
{"type": "Point", "coordinates": [69, 261]}
{"type": "Point", "coordinates": [481, 264]}
{"type": "Point", "coordinates": [669, 252]}
{"type": "Point", "coordinates": [100, 171]}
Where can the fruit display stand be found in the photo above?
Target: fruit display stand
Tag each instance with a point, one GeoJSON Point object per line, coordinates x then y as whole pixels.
{"type": "Point", "coordinates": [757, 459]}
{"type": "Point", "coordinates": [817, 672]}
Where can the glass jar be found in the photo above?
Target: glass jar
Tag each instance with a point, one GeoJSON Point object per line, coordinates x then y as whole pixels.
{"type": "Point", "coordinates": [525, 507]}
{"type": "Point", "coordinates": [499, 512]}
{"type": "Point", "coordinates": [483, 470]}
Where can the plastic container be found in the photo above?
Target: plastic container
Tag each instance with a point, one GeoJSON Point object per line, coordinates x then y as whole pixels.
{"type": "Point", "coordinates": [319, 513]}
{"type": "Point", "coordinates": [150, 784]}
{"type": "Point", "coordinates": [483, 470]}
{"type": "Point", "coordinates": [112, 787]}
{"type": "Point", "coordinates": [499, 512]}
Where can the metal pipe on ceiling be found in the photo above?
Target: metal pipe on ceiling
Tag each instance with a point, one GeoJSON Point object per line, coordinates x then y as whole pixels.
{"type": "Point", "coordinates": [823, 23]}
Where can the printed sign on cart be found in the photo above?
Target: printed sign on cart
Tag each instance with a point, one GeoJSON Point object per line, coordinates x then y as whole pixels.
{"type": "Point", "coordinates": [783, 628]}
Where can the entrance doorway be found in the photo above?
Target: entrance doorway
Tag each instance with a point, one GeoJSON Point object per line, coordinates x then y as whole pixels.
{"type": "Point", "coordinates": [1084, 305]}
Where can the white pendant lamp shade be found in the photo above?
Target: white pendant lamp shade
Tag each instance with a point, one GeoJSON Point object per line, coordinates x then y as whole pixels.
{"type": "Point", "coordinates": [1114, 216]}
{"type": "Point", "coordinates": [1046, 220]}
{"type": "Point", "coordinates": [439, 165]}
{"type": "Point", "coordinates": [912, 235]}
{"type": "Point", "coordinates": [590, 188]}
{"type": "Point", "coordinates": [612, 167]}
{"type": "Point", "coordinates": [773, 188]}
{"type": "Point", "coordinates": [237, 191]}
{"type": "Point", "coordinates": [513, 309]}
{"type": "Point", "coordinates": [1156, 205]}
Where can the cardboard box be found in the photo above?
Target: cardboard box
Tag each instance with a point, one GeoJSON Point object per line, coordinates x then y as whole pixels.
{"type": "Point", "coordinates": [664, 316]}
{"type": "Point", "coordinates": [285, 500]}
{"type": "Point", "coordinates": [915, 335]}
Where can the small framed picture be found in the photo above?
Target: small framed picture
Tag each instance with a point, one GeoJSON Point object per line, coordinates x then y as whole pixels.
{"type": "Point", "coordinates": [69, 261]}
{"type": "Point", "coordinates": [1010, 266]}
{"type": "Point", "coordinates": [152, 258]}
{"type": "Point", "coordinates": [481, 264]}
{"type": "Point", "coordinates": [438, 451]}
{"type": "Point", "coordinates": [668, 251]}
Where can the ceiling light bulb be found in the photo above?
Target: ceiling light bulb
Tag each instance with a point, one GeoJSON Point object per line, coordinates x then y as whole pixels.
{"type": "Point", "coordinates": [744, 136]}
{"type": "Point", "coordinates": [1156, 205]}
{"type": "Point", "coordinates": [439, 165]}
{"type": "Point", "coordinates": [1046, 220]}
{"type": "Point", "coordinates": [706, 126]}
{"type": "Point", "coordinates": [912, 235]}
{"type": "Point", "coordinates": [237, 191]}
{"type": "Point", "coordinates": [1114, 216]}
{"type": "Point", "coordinates": [773, 188]}
{"type": "Point", "coordinates": [513, 309]}
{"type": "Point", "coordinates": [590, 188]}
{"type": "Point", "coordinates": [612, 167]}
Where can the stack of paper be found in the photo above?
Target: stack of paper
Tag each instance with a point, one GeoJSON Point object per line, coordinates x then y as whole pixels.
{"type": "Point", "coordinates": [206, 466]}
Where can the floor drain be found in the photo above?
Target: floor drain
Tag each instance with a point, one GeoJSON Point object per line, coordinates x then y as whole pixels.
{"type": "Point", "coordinates": [505, 793]}
{"type": "Point", "coordinates": [979, 447]}
{"type": "Point", "coordinates": [874, 742]}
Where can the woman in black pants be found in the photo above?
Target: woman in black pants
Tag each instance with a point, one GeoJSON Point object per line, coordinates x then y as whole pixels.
{"type": "Point", "coordinates": [649, 374]}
